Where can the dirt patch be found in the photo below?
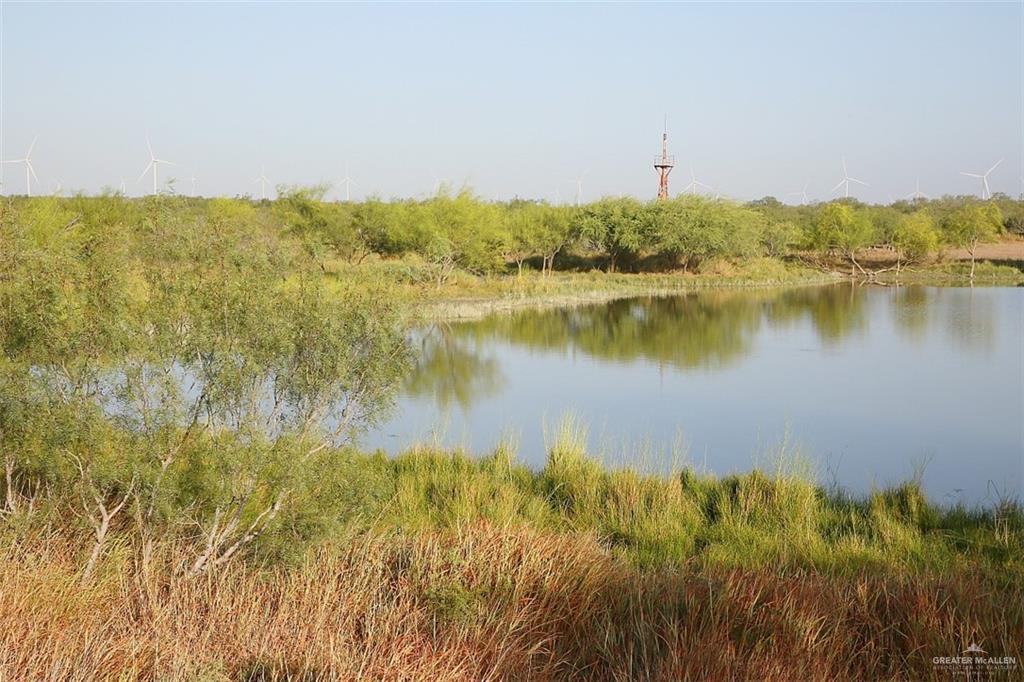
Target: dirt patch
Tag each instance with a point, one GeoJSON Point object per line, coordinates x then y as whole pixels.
{"type": "Point", "coordinates": [1008, 250]}
{"type": "Point", "coordinates": [997, 252]}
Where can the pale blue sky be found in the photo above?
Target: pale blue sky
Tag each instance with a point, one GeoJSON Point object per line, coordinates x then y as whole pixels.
{"type": "Point", "coordinates": [516, 99]}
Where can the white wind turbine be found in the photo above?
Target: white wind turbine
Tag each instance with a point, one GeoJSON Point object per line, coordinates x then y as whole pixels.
{"type": "Point", "coordinates": [124, 189]}
{"type": "Point", "coordinates": [801, 193]}
{"type": "Point", "coordinates": [30, 172]}
{"type": "Point", "coordinates": [154, 163]}
{"type": "Point", "coordinates": [579, 186]}
{"type": "Point", "coordinates": [439, 182]}
{"type": "Point", "coordinates": [695, 183]}
{"type": "Point", "coordinates": [263, 180]}
{"type": "Point", "coordinates": [986, 193]}
{"type": "Point", "coordinates": [917, 193]}
{"type": "Point", "coordinates": [348, 182]}
{"type": "Point", "coordinates": [193, 181]}
{"type": "Point", "coordinates": [845, 182]}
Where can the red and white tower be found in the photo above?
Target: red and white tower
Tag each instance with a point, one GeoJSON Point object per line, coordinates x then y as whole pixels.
{"type": "Point", "coordinates": [664, 164]}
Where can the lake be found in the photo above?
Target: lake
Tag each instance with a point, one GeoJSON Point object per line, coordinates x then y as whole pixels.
{"type": "Point", "coordinates": [868, 383]}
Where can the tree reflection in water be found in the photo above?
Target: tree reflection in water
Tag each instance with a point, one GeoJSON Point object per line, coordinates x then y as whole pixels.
{"type": "Point", "coordinates": [709, 329]}
{"type": "Point", "coordinates": [452, 368]}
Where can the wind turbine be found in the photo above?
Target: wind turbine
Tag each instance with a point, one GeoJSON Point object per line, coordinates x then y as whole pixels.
{"type": "Point", "coordinates": [694, 184]}
{"type": "Point", "coordinates": [438, 182]}
{"type": "Point", "coordinates": [30, 172]}
{"type": "Point", "coordinates": [193, 181]}
{"type": "Point", "coordinates": [845, 182]}
{"type": "Point", "coordinates": [124, 190]}
{"type": "Point", "coordinates": [263, 180]}
{"type": "Point", "coordinates": [917, 193]}
{"type": "Point", "coordinates": [801, 193]}
{"type": "Point", "coordinates": [154, 163]}
{"type": "Point", "coordinates": [579, 185]}
{"type": "Point", "coordinates": [348, 182]}
{"type": "Point", "coordinates": [986, 193]}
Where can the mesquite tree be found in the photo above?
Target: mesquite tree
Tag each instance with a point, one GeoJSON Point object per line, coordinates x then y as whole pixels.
{"type": "Point", "coordinates": [191, 374]}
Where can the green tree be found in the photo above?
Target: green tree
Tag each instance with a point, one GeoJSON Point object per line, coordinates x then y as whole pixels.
{"type": "Point", "coordinates": [968, 226]}
{"type": "Point", "coordinates": [322, 225]}
{"type": "Point", "coordinates": [693, 229]}
{"type": "Point", "coordinates": [620, 227]}
{"type": "Point", "coordinates": [195, 371]}
{"type": "Point", "coordinates": [841, 227]}
{"type": "Point", "coordinates": [521, 225]}
{"type": "Point", "coordinates": [914, 238]}
{"type": "Point", "coordinates": [554, 232]}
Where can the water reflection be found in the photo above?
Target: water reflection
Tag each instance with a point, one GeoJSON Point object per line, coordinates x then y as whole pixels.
{"type": "Point", "coordinates": [970, 319]}
{"type": "Point", "coordinates": [910, 311]}
{"type": "Point", "coordinates": [452, 368]}
{"type": "Point", "coordinates": [836, 312]}
{"type": "Point", "coordinates": [868, 376]}
{"type": "Point", "coordinates": [682, 331]}
{"type": "Point", "coordinates": [710, 330]}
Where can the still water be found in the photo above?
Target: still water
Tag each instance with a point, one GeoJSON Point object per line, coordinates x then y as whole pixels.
{"type": "Point", "coordinates": [868, 382]}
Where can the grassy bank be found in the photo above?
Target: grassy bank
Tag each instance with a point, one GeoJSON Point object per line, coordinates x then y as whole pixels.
{"type": "Point", "coordinates": [957, 273]}
{"type": "Point", "coordinates": [468, 296]}
{"type": "Point", "coordinates": [442, 566]}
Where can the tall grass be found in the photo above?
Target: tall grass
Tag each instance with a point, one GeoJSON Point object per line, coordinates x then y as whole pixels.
{"type": "Point", "coordinates": [450, 567]}
{"type": "Point", "coordinates": [483, 603]}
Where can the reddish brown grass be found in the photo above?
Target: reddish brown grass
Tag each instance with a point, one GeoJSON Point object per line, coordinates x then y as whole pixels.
{"type": "Point", "coordinates": [478, 605]}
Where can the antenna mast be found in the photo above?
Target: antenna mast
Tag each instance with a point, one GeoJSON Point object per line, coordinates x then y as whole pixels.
{"type": "Point", "coordinates": [664, 163]}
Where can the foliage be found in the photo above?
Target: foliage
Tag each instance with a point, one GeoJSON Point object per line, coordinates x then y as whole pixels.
{"type": "Point", "coordinates": [185, 372]}
{"type": "Point", "coordinates": [693, 229]}
{"type": "Point", "coordinates": [968, 226]}
{"type": "Point", "coordinates": [915, 236]}
{"type": "Point", "coordinates": [841, 227]}
{"type": "Point", "coordinates": [621, 228]}
{"type": "Point", "coordinates": [190, 367]}
{"type": "Point", "coordinates": [182, 381]}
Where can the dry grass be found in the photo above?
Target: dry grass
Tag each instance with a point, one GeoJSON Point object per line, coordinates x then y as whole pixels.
{"type": "Point", "coordinates": [482, 603]}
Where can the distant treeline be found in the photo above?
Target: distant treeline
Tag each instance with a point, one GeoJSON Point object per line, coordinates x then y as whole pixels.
{"type": "Point", "coordinates": [453, 231]}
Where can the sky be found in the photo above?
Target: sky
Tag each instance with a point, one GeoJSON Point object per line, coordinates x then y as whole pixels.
{"type": "Point", "coordinates": [515, 99]}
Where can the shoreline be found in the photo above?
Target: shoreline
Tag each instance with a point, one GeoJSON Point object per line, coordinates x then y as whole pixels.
{"type": "Point", "coordinates": [575, 289]}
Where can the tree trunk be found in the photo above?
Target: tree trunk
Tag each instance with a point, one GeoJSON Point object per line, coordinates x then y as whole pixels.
{"type": "Point", "coordinates": [101, 526]}
{"type": "Point", "coordinates": [12, 495]}
{"type": "Point", "coordinates": [97, 548]}
{"type": "Point", "coordinates": [217, 550]}
{"type": "Point", "coordinates": [974, 247]}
